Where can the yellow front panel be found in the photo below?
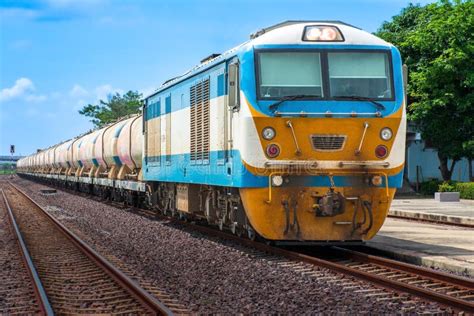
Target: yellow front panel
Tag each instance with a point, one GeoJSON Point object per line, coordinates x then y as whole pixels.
{"type": "Point", "coordinates": [269, 219]}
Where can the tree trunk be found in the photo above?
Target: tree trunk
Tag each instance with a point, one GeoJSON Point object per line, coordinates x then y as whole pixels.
{"type": "Point", "coordinates": [446, 171]}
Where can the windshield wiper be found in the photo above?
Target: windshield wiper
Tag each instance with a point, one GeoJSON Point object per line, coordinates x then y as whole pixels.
{"type": "Point", "coordinates": [290, 98]}
{"type": "Point", "coordinates": [379, 106]}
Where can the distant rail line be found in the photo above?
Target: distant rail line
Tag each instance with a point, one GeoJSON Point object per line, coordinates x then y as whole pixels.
{"type": "Point", "coordinates": [71, 277]}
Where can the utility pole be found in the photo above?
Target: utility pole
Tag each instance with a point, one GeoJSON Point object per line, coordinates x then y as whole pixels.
{"type": "Point", "coordinates": [12, 151]}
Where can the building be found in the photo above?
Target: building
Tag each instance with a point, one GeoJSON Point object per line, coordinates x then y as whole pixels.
{"type": "Point", "coordinates": [422, 162]}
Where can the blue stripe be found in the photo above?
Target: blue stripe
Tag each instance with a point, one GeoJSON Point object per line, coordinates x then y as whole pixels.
{"type": "Point", "coordinates": [153, 110]}
{"type": "Point", "coordinates": [117, 160]}
{"type": "Point", "coordinates": [220, 85]}
{"type": "Point", "coordinates": [235, 174]}
{"type": "Point", "coordinates": [168, 104]}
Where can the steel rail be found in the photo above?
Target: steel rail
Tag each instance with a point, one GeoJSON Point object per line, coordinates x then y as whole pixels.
{"type": "Point", "coordinates": [408, 268]}
{"type": "Point", "coordinates": [147, 300]}
{"type": "Point", "coordinates": [40, 293]}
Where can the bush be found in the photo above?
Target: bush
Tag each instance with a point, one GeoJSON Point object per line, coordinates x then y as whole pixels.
{"type": "Point", "coordinates": [466, 190]}
{"type": "Point", "coordinates": [429, 187]}
{"type": "Point", "coordinates": [446, 187]}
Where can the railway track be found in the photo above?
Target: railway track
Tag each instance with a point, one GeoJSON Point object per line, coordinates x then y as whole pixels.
{"type": "Point", "coordinates": [21, 291]}
{"type": "Point", "coordinates": [451, 291]}
{"type": "Point", "coordinates": [75, 278]}
{"type": "Point", "coordinates": [395, 279]}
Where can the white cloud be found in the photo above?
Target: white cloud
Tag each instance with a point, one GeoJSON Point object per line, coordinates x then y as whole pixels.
{"type": "Point", "coordinates": [78, 92]}
{"type": "Point", "coordinates": [21, 88]}
{"type": "Point", "coordinates": [36, 98]}
{"type": "Point", "coordinates": [80, 96]}
{"type": "Point", "coordinates": [105, 91]}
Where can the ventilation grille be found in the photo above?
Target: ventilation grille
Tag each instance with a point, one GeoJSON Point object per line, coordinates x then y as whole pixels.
{"type": "Point", "coordinates": [199, 99]}
{"type": "Point", "coordinates": [328, 142]}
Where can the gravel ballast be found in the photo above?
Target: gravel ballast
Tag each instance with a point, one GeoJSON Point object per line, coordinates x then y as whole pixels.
{"type": "Point", "coordinates": [207, 275]}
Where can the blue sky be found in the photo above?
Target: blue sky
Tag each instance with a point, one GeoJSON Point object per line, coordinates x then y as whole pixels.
{"type": "Point", "coordinates": [59, 55]}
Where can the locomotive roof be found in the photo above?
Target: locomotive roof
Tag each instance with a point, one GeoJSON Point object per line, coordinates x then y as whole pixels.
{"type": "Point", "coordinates": [284, 33]}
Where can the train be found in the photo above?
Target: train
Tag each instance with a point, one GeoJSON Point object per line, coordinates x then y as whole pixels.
{"type": "Point", "coordinates": [296, 135]}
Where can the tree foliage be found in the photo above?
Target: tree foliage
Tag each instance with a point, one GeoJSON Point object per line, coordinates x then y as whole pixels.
{"type": "Point", "coordinates": [115, 107]}
{"type": "Point", "coordinates": [437, 44]}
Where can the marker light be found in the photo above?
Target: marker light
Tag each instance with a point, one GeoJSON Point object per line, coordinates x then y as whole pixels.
{"type": "Point", "coordinates": [376, 180]}
{"type": "Point", "coordinates": [386, 133]}
{"type": "Point", "coordinates": [322, 34]}
{"type": "Point", "coordinates": [277, 181]}
{"type": "Point", "coordinates": [268, 133]}
{"type": "Point", "coordinates": [381, 151]}
{"type": "Point", "coordinates": [273, 150]}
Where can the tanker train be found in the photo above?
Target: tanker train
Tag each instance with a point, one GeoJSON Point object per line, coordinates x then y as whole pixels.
{"type": "Point", "coordinates": [295, 135]}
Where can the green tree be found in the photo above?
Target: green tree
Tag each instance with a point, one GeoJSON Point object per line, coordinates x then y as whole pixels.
{"type": "Point", "coordinates": [437, 44]}
{"type": "Point", "coordinates": [117, 106]}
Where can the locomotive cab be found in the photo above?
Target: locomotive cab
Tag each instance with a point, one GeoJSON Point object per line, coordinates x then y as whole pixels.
{"type": "Point", "coordinates": [326, 127]}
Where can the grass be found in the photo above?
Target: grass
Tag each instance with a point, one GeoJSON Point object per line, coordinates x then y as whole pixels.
{"type": "Point", "coordinates": [7, 171]}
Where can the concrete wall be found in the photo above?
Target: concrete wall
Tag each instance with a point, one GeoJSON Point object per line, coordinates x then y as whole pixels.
{"type": "Point", "coordinates": [427, 161]}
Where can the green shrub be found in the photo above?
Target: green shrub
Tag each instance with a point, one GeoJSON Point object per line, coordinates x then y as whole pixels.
{"type": "Point", "coordinates": [466, 190]}
{"type": "Point", "coordinates": [429, 187]}
{"type": "Point", "coordinates": [446, 187]}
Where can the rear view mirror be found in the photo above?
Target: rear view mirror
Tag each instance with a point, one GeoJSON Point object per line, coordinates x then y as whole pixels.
{"type": "Point", "coordinates": [233, 86]}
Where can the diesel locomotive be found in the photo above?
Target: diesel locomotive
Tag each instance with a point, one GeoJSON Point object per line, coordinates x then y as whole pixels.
{"type": "Point", "coordinates": [297, 135]}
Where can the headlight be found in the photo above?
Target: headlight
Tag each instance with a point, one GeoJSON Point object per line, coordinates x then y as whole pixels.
{"type": "Point", "coordinates": [386, 133]}
{"type": "Point", "coordinates": [322, 33]}
{"type": "Point", "coordinates": [268, 133]}
{"type": "Point", "coordinates": [277, 181]}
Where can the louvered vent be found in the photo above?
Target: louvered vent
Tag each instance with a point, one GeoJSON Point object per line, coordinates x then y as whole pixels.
{"type": "Point", "coordinates": [199, 96]}
{"type": "Point", "coordinates": [328, 142]}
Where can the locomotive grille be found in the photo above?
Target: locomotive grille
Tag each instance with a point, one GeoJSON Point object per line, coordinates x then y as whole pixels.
{"type": "Point", "coordinates": [328, 142]}
{"type": "Point", "coordinates": [200, 124]}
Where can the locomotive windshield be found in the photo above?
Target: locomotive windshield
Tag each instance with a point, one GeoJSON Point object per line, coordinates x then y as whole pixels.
{"type": "Point", "coordinates": [325, 75]}
{"type": "Point", "coordinates": [359, 74]}
{"type": "Point", "coordinates": [290, 73]}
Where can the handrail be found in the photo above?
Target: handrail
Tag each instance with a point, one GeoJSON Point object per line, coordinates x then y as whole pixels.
{"type": "Point", "coordinates": [366, 126]}
{"type": "Point", "coordinates": [290, 125]}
